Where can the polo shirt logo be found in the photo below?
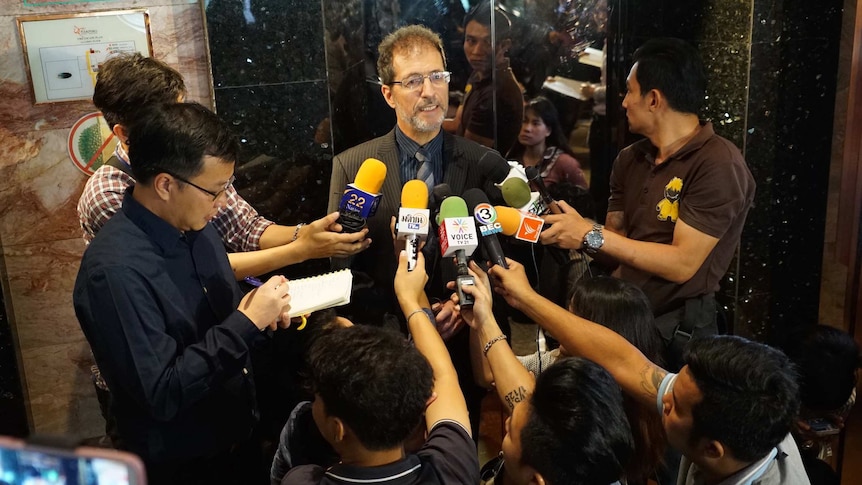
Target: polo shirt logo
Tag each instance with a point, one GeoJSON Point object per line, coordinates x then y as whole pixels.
{"type": "Point", "coordinates": [668, 208]}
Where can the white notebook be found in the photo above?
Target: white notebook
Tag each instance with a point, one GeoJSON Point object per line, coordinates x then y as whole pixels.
{"type": "Point", "coordinates": [319, 292]}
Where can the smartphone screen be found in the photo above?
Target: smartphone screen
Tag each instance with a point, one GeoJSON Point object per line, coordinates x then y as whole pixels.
{"type": "Point", "coordinates": [22, 464]}
{"type": "Point", "coordinates": [822, 427]}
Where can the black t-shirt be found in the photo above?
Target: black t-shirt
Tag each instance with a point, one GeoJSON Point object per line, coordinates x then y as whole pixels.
{"type": "Point", "coordinates": [448, 457]}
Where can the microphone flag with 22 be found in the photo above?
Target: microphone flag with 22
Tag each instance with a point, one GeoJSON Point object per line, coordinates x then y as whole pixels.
{"type": "Point", "coordinates": [361, 198]}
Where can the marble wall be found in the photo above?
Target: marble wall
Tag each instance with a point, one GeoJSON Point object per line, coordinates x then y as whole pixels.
{"type": "Point", "coordinates": [39, 189]}
{"type": "Point", "coordinates": [269, 73]}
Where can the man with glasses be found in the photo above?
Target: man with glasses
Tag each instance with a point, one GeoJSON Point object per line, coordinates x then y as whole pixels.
{"type": "Point", "coordinates": [415, 83]}
{"type": "Point", "coordinates": [158, 303]}
{"type": "Point", "coordinates": [129, 83]}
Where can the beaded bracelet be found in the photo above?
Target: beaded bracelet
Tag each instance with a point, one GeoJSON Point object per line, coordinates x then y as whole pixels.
{"type": "Point", "coordinates": [492, 342]}
{"type": "Point", "coordinates": [296, 232]}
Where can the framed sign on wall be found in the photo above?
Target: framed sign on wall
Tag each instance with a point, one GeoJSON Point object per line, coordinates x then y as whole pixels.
{"type": "Point", "coordinates": [63, 52]}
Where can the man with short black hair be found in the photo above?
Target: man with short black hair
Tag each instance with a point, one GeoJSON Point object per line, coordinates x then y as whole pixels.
{"type": "Point", "coordinates": [678, 200]}
{"type": "Point", "coordinates": [493, 106]}
{"type": "Point", "coordinates": [158, 303]}
{"type": "Point", "coordinates": [371, 387]}
{"type": "Point", "coordinates": [130, 83]}
{"type": "Point", "coordinates": [729, 410]}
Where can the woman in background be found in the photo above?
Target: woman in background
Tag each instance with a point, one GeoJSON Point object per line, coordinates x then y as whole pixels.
{"type": "Point", "coordinates": [542, 144]}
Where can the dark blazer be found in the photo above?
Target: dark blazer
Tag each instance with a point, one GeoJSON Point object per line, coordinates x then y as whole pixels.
{"type": "Point", "coordinates": [460, 171]}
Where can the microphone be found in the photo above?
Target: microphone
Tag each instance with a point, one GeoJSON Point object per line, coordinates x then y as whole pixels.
{"type": "Point", "coordinates": [438, 194]}
{"type": "Point", "coordinates": [413, 218]}
{"type": "Point", "coordinates": [534, 176]}
{"type": "Point", "coordinates": [517, 194]}
{"type": "Point", "coordinates": [524, 227]}
{"type": "Point", "coordinates": [458, 238]}
{"type": "Point", "coordinates": [361, 198]}
{"type": "Point", "coordinates": [486, 217]}
{"type": "Point", "coordinates": [492, 167]}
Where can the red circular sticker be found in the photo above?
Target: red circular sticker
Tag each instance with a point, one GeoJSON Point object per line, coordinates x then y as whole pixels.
{"type": "Point", "coordinates": [91, 143]}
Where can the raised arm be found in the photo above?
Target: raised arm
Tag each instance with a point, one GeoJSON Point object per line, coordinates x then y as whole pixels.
{"type": "Point", "coordinates": [513, 382]}
{"type": "Point", "coordinates": [410, 290]}
{"type": "Point", "coordinates": [320, 239]}
{"type": "Point", "coordinates": [635, 374]}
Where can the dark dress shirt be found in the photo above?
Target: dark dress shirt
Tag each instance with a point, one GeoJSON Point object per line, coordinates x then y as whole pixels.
{"type": "Point", "coordinates": [159, 309]}
{"type": "Point", "coordinates": [407, 149]}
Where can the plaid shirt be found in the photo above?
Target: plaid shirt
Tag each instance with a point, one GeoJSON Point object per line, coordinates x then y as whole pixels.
{"type": "Point", "coordinates": [238, 224]}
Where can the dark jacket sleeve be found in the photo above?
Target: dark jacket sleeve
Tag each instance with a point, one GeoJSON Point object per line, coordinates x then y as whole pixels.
{"type": "Point", "coordinates": [126, 327]}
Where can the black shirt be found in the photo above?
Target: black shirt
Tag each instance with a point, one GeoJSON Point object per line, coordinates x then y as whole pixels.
{"type": "Point", "coordinates": [448, 457]}
{"type": "Point", "coordinates": [158, 307]}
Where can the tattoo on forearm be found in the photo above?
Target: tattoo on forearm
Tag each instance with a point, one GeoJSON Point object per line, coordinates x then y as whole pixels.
{"type": "Point", "coordinates": [516, 396]}
{"type": "Point", "coordinates": [651, 377]}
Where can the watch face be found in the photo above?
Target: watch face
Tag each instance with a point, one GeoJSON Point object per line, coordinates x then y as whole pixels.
{"type": "Point", "coordinates": [594, 239]}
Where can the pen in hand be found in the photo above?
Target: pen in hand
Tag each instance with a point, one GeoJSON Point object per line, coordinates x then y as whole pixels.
{"type": "Point", "coordinates": [253, 281]}
{"type": "Point", "coordinates": [256, 282]}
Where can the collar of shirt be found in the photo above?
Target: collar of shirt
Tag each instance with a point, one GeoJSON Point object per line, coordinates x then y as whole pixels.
{"type": "Point", "coordinates": [157, 229]}
{"type": "Point", "coordinates": [121, 154]}
{"type": "Point", "coordinates": [649, 150]}
{"type": "Point", "coordinates": [402, 471]}
{"type": "Point", "coordinates": [746, 476]}
{"type": "Point", "coordinates": [407, 148]}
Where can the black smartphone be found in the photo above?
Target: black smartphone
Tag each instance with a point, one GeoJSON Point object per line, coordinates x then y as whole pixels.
{"type": "Point", "coordinates": [22, 463]}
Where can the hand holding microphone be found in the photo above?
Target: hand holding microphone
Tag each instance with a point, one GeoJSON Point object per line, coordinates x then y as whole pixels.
{"type": "Point", "coordinates": [528, 228]}
{"type": "Point", "coordinates": [413, 219]}
{"type": "Point", "coordinates": [566, 230]}
{"type": "Point", "coordinates": [486, 217]}
{"type": "Point", "coordinates": [361, 198]}
{"type": "Point", "coordinates": [458, 238]}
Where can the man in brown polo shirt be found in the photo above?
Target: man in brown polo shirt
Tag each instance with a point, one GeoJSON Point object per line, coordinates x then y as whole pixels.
{"type": "Point", "coordinates": [678, 199]}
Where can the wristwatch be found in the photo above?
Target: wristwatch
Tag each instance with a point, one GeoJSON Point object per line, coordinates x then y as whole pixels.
{"type": "Point", "coordinates": [594, 239]}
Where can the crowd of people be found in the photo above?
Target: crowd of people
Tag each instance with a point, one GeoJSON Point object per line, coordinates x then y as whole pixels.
{"type": "Point", "coordinates": [642, 386]}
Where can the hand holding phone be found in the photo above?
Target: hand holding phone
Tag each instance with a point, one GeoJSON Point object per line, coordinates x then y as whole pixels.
{"type": "Point", "coordinates": [22, 463]}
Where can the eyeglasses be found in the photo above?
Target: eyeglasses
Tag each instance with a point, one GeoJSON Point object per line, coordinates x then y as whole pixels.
{"type": "Point", "coordinates": [437, 78]}
{"type": "Point", "coordinates": [214, 195]}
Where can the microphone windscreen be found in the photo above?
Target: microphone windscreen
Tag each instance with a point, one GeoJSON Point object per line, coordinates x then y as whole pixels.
{"type": "Point", "coordinates": [515, 192]}
{"type": "Point", "coordinates": [532, 173]}
{"type": "Point", "coordinates": [474, 197]}
{"type": "Point", "coordinates": [370, 176]}
{"type": "Point", "coordinates": [414, 195]}
{"type": "Point", "coordinates": [509, 219]}
{"type": "Point", "coordinates": [453, 207]}
{"type": "Point", "coordinates": [441, 191]}
{"type": "Point", "coordinates": [492, 167]}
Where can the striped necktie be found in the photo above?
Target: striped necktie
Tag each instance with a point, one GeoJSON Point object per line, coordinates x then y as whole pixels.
{"type": "Point", "coordinates": [426, 172]}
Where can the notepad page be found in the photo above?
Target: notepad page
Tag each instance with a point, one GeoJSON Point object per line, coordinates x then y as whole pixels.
{"type": "Point", "coordinates": [318, 292]}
